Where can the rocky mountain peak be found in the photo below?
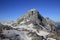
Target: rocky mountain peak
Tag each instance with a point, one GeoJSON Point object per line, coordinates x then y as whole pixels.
{"type": "Point", "coordinates": [33, 16]}
{"type": "Point", "coordinates": [33, 12]}
{"type": "Point", "coordinates": [32, 26]}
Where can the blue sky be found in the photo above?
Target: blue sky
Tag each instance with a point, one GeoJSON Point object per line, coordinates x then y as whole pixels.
{"type": "Point", "coordinates": [12, 9]}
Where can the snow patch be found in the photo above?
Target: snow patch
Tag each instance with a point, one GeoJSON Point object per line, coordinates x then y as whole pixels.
{"type": "Point", "coordinates": [43, 33]}
{"type": "Point", "coordinates": [32, 9]}
{"type": "Point", "coordinates": [51, 39]}
{"type": "Point", "coordinates": [23, 22]}
{"type": "Point", "coordinates": [31, 25]}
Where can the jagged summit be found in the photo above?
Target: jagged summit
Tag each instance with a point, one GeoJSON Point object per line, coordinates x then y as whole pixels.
{"type": "Point", "coordinates": [32, 15]}
{"type": "Point", "coordinates": [33, 11]}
